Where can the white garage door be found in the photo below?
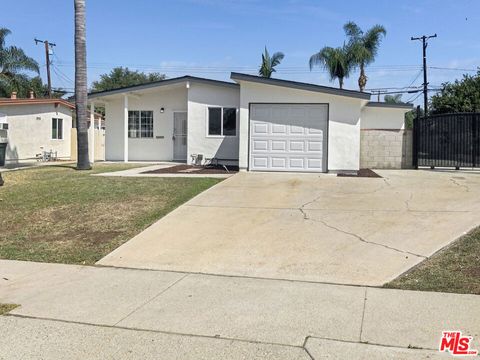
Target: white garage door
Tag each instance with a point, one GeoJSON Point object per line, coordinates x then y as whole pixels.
{"type": "Point", "coordinates": [288, 137]}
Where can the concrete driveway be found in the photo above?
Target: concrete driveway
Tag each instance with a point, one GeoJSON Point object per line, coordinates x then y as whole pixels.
{"type": "Point", "coordinates": [322, 228]}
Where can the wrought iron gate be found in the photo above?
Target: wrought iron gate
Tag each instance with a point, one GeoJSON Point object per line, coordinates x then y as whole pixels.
{"type": "Point", "coordinates": [447, 140]}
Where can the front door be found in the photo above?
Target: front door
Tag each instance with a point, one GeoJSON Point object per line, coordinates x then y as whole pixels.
{"type": "Point", "coordinates": [180, 136]}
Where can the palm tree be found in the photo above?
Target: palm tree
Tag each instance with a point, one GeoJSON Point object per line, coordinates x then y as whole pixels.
{"type": "Point", "coordinates": [269, 63]}
{"type": "Point", "coordinates": [363, 47]}
{"type": "Point", "coordinates": [393, 99]}
{"type": "Point", "coordinates": [337, 61]}
{"type": "Point", "coordinates": [13, 63]}
{"type": "Point", "coordinates": [83, 162]}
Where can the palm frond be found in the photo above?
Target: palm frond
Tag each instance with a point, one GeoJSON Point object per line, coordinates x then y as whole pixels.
{"type": "Point", "coordinates": [336, 61]}
{"type": "Point", "coordinates": [3, 34]}
{"type": "Point", "coordinates": [373, 38]}
{"type": "Point", "coordinates": [14, 60]}
{"type": "Point", "coordinates": [352, 30]}
{"type": "Point", "coordinates": [277, 58]}
{"type": "Point", "coordinates": [268, 63]}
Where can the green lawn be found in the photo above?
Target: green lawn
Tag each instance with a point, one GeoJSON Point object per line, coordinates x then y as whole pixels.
{"type": "Point", "coordinates": [455, 269]}
{"type": "Point", "coordinates": [59, 214]}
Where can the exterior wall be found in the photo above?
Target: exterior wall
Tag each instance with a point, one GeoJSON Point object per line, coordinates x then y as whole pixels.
{"type": "Point", "coordinates": [386, 149]}
{"type": "Point", "coordinates": [160, 147]}
{"type": "Point", "coordinates": [200, 97]}
{"type": "Point", "coordinates": [344, 121]}
{"type": "Point", "coordinates": [99, 144]}
{"type": "Point", "coordinates": [30, 131]}
{"type": "Point", "coordinates": [383, 118]}
{"type": "Point", "coordinates": [385, 144]}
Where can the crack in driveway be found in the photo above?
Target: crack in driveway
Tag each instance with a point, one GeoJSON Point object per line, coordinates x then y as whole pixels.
{"type": "Point", "coordinates": [467, 189]}
{"type": "Point", "coordinates": [358, 237]}
{"type": "Point", "coordinates": [407, 202]}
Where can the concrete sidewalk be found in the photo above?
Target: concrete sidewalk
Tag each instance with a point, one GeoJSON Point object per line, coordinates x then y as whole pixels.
{"type": "Point", "coordinates": [97, 312]}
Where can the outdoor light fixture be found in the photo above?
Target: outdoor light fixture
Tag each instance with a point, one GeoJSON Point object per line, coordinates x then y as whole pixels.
{"type": "Point", "coordinates": [162, 110]}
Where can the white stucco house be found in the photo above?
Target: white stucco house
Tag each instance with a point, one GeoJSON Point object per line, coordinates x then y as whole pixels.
{"type": "Point", "coordinates": [33, 126]}
{"type": "Point", "coordinates": [258, 123]}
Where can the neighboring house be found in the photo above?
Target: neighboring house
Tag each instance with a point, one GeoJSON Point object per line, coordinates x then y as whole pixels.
{"type": "Point", "coordinates": [258, 123]}
{"type": "Point", "coordinates": [34, 126]}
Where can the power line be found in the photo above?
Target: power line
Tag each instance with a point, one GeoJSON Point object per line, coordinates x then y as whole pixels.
{"type": "Point", "coordinates": [48, 46]}
{"type": "Point", "coordinates": [424, 39]}
{"type": "Point", "coordinates": [414, 97]}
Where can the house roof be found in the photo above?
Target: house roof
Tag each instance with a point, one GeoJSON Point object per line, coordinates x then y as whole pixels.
{"type": "Point", "coordinates": [300, 85]}
{"type": "Point", "coordinates": [160, 83]}
{"type": "Point", "coordinates": [56, 102]}
{"type": "Point", "coordinates": [389, 105]}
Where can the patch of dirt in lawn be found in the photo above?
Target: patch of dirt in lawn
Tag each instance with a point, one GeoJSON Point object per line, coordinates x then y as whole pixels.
{"type": "Point", "coordinates": [190, 169]}
{"type": "Point", "coordinates": [96, 223]}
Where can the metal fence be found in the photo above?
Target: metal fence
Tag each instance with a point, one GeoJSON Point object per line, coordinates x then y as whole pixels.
{"type": "Point", "coordinates": [447, 140]}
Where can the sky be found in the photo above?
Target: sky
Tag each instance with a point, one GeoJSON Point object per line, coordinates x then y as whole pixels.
{"type": "Point", "coordinates": [211, 38]}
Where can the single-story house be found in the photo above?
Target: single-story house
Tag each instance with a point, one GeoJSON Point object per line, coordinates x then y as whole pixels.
{"type": "Point", "coordinates": [32, 127]}
{"type": "Point", "coordinates": [258, 123]}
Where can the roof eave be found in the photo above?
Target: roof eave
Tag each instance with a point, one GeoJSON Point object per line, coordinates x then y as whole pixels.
{"type": "Point", "coordinates": [300, 86]}
{"type": "Point", "coordinates": [406, 106]}
{"type": "Point", "coordinates": [160, 83]}
{"type": "Point", "coordinates": [13, 102]}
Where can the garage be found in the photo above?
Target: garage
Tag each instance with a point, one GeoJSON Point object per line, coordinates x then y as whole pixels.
{"type": "Point", "coordinates": [288, 137]}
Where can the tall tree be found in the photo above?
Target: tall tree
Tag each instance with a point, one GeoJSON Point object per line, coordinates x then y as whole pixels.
{"type": "Point", "coordinates": [121, 77]}
{"type": "Point", "coordinates": [363, 47]}
{"type": "Point", "coordinates": [269, 63]}
{"type": "Point", "coordinates": [14, 66]}
{"type": "Point", "coordinates": [393, 99]}
{"type": "Point", "coordinates": [460, 96]}
{"type": "Point", "coordinates": [337, 61]}
{"type": "Point", "coordinates": [83, 162]}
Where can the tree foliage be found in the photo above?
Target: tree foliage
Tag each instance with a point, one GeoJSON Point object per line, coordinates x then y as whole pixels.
{"type": "Point", "coordinates": [393, 99]}
{"type": "Point", "coordinates": [363, 47]}
{"type": "Point", "coordinates": [337, 61]}
{"type": "Point", "coordinates": [461, 96]}
{"type": "Point", "coordinates": [122, 77]}
{"type": "Point", "coordinates": [359, 51]}
{"type": "Point", "coordinates": [15, 67]}
{"type": "Point", "coordinates": [269, 63]}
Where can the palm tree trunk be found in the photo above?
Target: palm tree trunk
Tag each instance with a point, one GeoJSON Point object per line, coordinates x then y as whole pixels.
{"type": "Point", "coordinates": [83, 162]}
{"type": "Point", "coordinates": [340, 82]}
{"type": "Point", "coordinates": [362, 79]}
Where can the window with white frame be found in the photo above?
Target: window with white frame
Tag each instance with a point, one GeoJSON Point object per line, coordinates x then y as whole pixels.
{"type": "Point", "coordinates": [57, 129]}
{"type": "Point", "coordinates": [222, 121]}
{"type": "Point", "coordinates": [140, 124]}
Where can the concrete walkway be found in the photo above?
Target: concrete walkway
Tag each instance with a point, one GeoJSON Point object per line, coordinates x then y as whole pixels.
{"type": "Point", "coordinates": [140, 172]}
{"type": "Point", "coordinates": [99, 312]}
{"type": "Point", "coordinates": [363, 231]}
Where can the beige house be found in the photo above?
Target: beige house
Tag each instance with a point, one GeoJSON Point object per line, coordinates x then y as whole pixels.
{"type": "Point", "coordinates": [38, 128]}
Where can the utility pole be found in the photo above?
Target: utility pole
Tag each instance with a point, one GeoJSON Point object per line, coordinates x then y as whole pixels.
{"type": "Point", "coordinates": [424, 39]}
{"type": "Point", "coordinates": [48, 45]}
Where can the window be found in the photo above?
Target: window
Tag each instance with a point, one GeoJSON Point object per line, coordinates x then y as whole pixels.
{"type": "Point", "coordinates": [222, 121]}
{"type": "Point", "coordinates": [57, 129]}
{"type": "Point", "coordinates": [140, 124]}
